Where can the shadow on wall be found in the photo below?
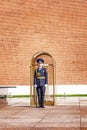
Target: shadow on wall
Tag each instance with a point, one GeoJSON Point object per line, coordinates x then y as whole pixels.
{"type": "Point", "coordinates": [3, 95]}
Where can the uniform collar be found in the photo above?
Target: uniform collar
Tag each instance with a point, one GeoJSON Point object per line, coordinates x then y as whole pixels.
{"type": "Point", "coordinates": [39, 68]}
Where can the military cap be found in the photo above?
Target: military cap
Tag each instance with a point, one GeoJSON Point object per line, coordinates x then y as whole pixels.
{"type": "Point", "coordinates": [40, 60]}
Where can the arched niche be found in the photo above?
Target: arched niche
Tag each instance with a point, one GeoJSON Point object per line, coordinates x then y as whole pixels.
{"type": "Point", "coordinates": [49, 64]}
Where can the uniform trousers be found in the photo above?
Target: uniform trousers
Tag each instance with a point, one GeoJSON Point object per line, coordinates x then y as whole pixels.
{"type": "Point", "coordinates": [41, 95]}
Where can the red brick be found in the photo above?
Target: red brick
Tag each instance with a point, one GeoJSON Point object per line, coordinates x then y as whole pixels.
{"type": "Point", "coordinates": [58, 27]}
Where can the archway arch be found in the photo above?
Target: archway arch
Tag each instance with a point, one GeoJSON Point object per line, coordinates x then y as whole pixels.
{"type": "Point", "coordinates": [46, 56]}
{"type": "Point", "coordinates": [49, 64]}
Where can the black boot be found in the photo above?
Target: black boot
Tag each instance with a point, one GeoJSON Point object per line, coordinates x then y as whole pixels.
{"type": "Point", "coordinates": [39, 101]}
{"type": "Point", "coordinates": [42, 103]}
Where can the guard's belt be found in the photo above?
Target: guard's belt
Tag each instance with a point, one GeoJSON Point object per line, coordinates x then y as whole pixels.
{"type": "Point", "coordinates": [41, 77]}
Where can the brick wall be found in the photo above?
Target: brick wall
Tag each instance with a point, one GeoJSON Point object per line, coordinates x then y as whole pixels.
{"type": "Point", "coordinates": [58, 27]}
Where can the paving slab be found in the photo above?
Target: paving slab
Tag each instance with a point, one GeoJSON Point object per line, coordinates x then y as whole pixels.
{"type": "Point", "coordinates": [69, 113]}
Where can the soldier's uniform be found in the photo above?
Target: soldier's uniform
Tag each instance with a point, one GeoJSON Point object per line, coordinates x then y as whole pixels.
{"type": "Point", "coordinates": [40, 80]}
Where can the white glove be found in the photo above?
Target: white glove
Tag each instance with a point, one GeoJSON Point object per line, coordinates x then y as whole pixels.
{"type": "Point", "coordinates": [46, 85]}
{"type": "Point", "coordinates": [35, 85]}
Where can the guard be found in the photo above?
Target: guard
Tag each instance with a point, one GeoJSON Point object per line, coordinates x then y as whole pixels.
{"type": "Point", "coordinates": [40, 81]}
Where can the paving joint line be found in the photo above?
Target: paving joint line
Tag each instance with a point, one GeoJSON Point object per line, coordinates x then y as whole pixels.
{"type": "Point", "coordinates": [80, 112]}
{"type": "Point", "coordinates": [41, 119]}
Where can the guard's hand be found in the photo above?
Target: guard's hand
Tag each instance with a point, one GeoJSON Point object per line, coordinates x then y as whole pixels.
{"type": "Point", "coordinates": [46, 85]}
{"type": "Point", "coordinates": [35, 85]}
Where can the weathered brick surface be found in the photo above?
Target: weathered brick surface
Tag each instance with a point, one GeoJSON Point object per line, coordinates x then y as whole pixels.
{"type": "Point", "coordinates": [58, 27]}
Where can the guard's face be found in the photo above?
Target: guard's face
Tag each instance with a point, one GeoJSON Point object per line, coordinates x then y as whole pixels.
{"type": "Point", "coordinates": [40, 64]}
